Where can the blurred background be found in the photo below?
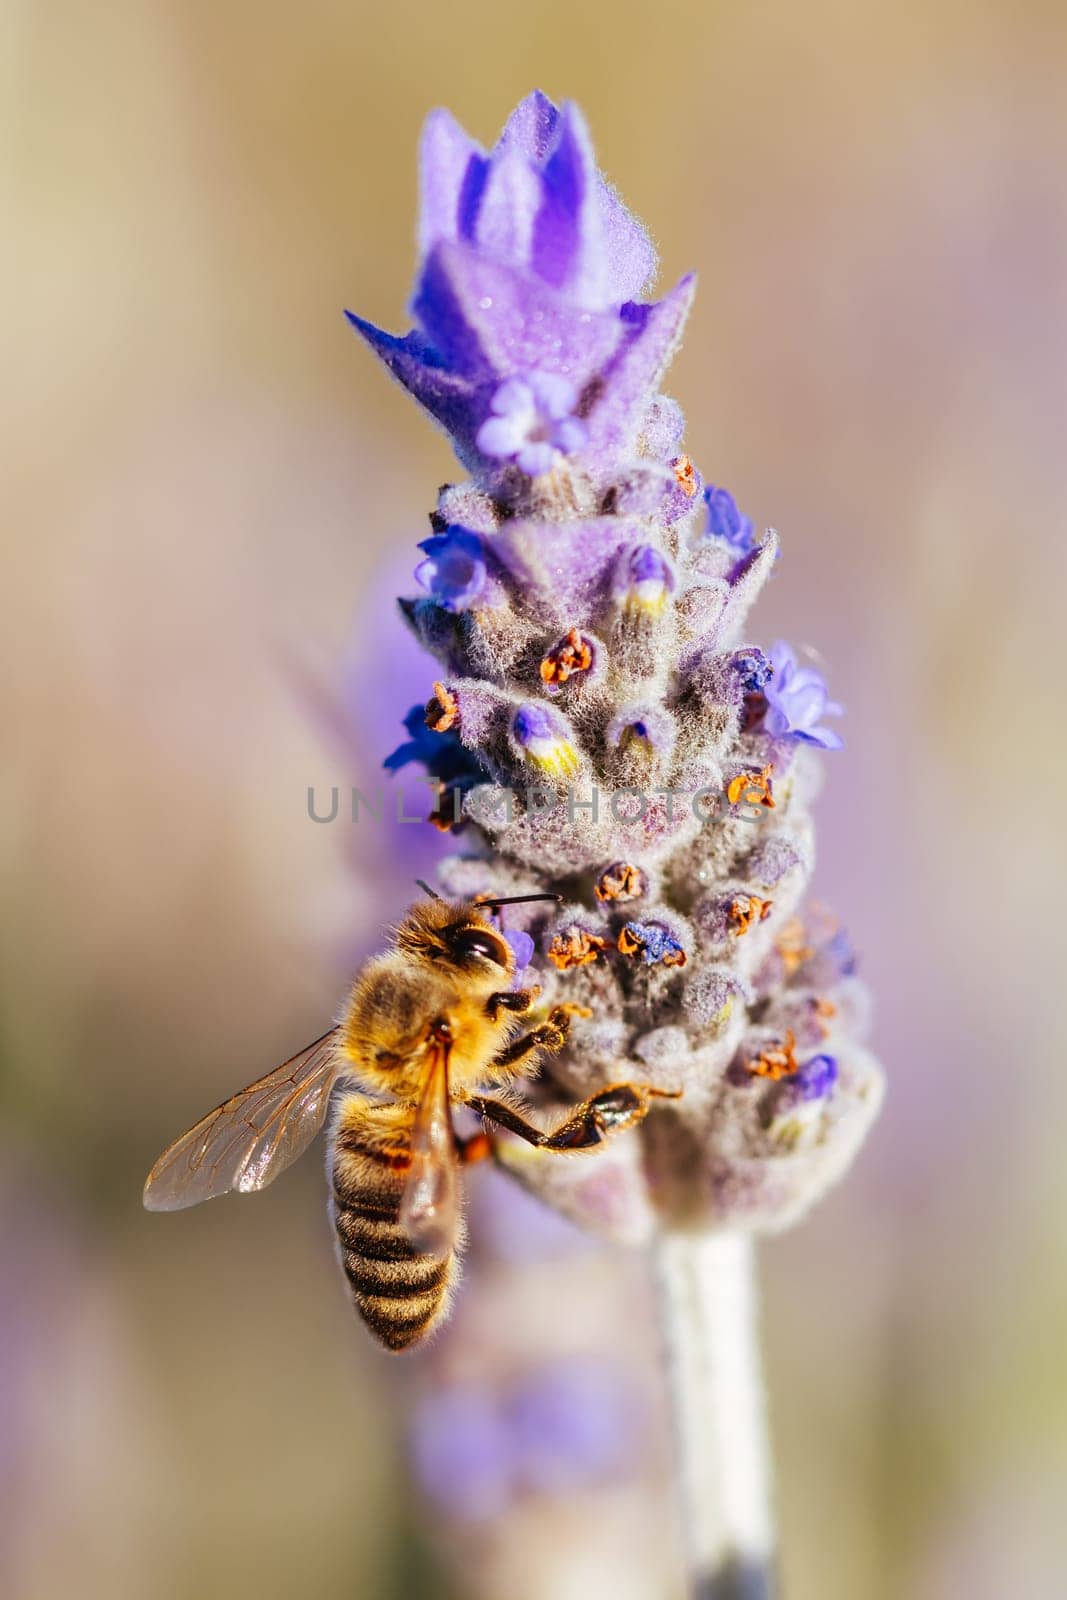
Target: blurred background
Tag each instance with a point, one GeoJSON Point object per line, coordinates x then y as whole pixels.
{"type": "Point", "coordinates": [211, 495]}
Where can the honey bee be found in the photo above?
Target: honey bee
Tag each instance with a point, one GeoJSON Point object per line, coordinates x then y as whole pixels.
{"type": "Point", "coordinates": [430, 1023]}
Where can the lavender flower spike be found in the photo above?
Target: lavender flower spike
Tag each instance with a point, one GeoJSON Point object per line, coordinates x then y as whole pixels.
{"type": "Point", "coordinates": [615, 739]}
{"type": "Point", "coordinates": [530, 271]}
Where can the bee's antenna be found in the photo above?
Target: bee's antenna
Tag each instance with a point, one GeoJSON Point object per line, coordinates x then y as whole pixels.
{"type": "Point", "coordinates": [515, 899]}
{"type": "Point", "coordinates": [421, 883]}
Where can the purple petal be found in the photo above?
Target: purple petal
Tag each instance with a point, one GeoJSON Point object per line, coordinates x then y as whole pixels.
{"type": "Point", "coordinates": [570, 435]}
{"type": "Point", "coordinates": [535, 459]}
{"type": "Point", "coordinates": [454, 571]}
{"type": "Point", "coordinates": [803, 678]}
{"type": "Point", "coordinates": [509, 205]}
{"type": "Point", "coordinates": [452, 168]}
{"type": "Point", "coordinates": [522, 948]}
{"type": "Point", "coordinates": [501, 436]}
{"type": "Point", "coordinates": [450, 399]}
{"type": "Point", "coordinates": [522, 326]}
{"type": "Point", "coordinates": [825, 738]}
{"type": "Point", "coordinates": [627, 256]}
{"type": "Point", "coordinates": [815, 1078]}
{"type": "Point", "coordinates": [628, 250]}
{"type": "Point", "coordinates": [533, 722]}
{"type": "Point", "coordinates": [566, 243]}
{"type": "Point", "coordinates": [448, 315]}
{"type": "Point", "coordinates": [633, 375]}
{"type": "Point", "coordinates": [514, 398]}
{"type": "Point", "coordinates": [555, 394]}
{"type": "Point", "coordinates": [645, 564]}
{"type": "Point", "coordinates": [462, 1452]}
{"type": "Point", "coordinates": [531, 127]}
{"type": "Point", "coordinates": [803, 706]}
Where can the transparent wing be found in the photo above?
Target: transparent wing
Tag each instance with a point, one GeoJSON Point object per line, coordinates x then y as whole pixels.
{"type": "Point", "coordinates": [247, 1140]}
{"type": "Point", "coordinates": [429, 1206]}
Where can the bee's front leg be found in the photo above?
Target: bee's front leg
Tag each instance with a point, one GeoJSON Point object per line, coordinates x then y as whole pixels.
{"type": "Point", "coordinates": [517, 1000]}
{"type": "Point", "coordinates": [621, 1106]}
{"type": "Point", "coordinates": [551, 1035]}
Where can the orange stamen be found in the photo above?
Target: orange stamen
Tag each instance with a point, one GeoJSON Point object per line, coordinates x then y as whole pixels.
{"type": "Point", "coordinates": [573, 654]}
{"type": "Point", "coordinates": [823, 1009]}
{"type": "Point", "coordinates": [685, 474]}
{"type": "Point", "coordinates": [621, 881]}
{"type": "Point", "coordinates": [776, 1063]}
{"type": "Point", "coordinates": [754, 788]}
{"type": "Point", "coordinates": [447, 816]}
{"type": "Point", "coordinates": [746, 910]}
{"type": "Point", "coordinates": [442, 711]}
{"type": "Point", "coordinates": [793, 946]}
{"type": "Point", "coordinates": [575, 948]}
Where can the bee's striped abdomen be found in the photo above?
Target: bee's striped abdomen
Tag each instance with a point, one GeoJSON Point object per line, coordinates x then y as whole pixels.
{"type": "Point", "coordinates": [399, 1290]}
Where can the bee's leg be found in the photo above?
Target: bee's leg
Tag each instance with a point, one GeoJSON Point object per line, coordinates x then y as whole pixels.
{"type": "Point", "coordinates": [517, 1000]}
{"type": "Point", "coordinates": [551, 1035]}
{"type": "Point", "coordinates": [621, 1106]}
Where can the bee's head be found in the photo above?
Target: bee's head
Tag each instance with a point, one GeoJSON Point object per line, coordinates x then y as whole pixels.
{"type": "Point", "coordinates": [460, 935]}
{"type": "Point", "coordinates": [457, 935]}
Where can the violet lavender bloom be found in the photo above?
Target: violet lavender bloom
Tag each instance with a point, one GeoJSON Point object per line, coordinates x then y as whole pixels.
{"type": "Point", "coordinates": [453, 768]}
{"type": "Point", "coordinates": [442, 754]}
{"type": "Point", "coordinates": [651, 943]}
{"type": "Point", "coordinates": [571, 1424]}
{"type": "Point", "coordinates": [522, 948]}
{"type": "Point", "coordinates": [632, 745]}
{"type": "Point", "coordinates": [797, 700]}
{"type": "Point", "coordinates": [726, 522]}
{"type": "Point", "coordinates": [815, 1078]}
{"type": "Point", "coordinates": [555, 1430]}
{"type": "Point", "coordinates": [542, 738]}
{"type": "Point", "coordinates": [461, 1452]}
{"type": "Point", "coordinates": [644, 579]}
{"type": "Point", "coordinates": [454, 570]}
{"type": "Point", "coordinates": [533, 422]}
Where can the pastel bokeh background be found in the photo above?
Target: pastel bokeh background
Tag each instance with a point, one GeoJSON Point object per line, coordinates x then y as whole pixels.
{"type": "Point", "coordinates": [211, 495]}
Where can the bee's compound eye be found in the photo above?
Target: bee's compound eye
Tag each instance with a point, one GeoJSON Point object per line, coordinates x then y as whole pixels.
{"type": "Point", "coordinates": [476, 942]}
